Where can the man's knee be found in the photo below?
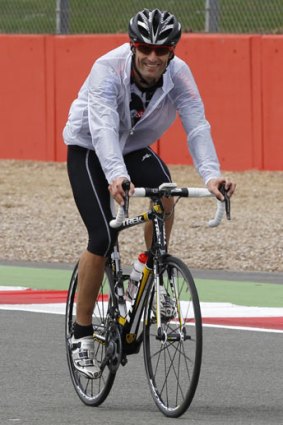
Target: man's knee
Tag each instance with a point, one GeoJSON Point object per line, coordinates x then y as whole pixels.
{"type": "Point", "coordinates": [101, 245]}
{"type": "Point", "coordinates": [168, 204]}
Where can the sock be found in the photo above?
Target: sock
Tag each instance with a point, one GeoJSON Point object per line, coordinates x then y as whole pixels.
{"type": "Point", "coordinates": [82, 331]}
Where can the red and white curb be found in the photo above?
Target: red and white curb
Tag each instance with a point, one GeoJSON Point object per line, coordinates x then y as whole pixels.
{"type": "Point", "coordinates": [223, 315]}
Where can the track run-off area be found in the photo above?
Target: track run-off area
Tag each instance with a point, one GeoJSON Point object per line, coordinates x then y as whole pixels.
{"type": "Point", "coordinates": [241, 377]}
{"type": "Point", "coordinates": [227, 300]}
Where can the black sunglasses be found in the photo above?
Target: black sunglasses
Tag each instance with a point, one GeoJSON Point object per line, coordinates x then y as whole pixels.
{"type": "Point", "coordinates": [146, 49]}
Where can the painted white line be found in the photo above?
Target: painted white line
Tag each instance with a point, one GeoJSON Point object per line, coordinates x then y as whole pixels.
{"type": "Point", "coordinates": [13, 288]}
{"type": "Point", "coordinates": [233, 310]}
{"type": "Point", "coordinates": [217, 310]}
{"type": "Point", "coordinates": [58, 308]}
{"type": "Point", "coordinates": [207, 309]}
{"type": "Point", "coordinates": [243, 328]}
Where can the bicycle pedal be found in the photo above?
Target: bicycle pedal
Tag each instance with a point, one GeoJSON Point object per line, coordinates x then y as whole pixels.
{"type": "Point", "coordinates": [124, 361]}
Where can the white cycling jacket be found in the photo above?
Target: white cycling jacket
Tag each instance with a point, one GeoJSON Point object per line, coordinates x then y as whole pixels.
{"type": "Point", "coordinates": [100, 118]}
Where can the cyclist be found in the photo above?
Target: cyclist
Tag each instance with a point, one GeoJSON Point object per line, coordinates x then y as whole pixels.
{"type": "Point", "coordinates": [128, 100]}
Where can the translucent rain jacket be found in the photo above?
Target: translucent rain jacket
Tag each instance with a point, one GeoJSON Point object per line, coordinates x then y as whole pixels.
{"type": "Point", "coordinates": [100, 117]}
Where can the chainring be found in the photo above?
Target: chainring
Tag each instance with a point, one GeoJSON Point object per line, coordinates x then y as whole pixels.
{"type": "Point", "coordinates": [114, 348]}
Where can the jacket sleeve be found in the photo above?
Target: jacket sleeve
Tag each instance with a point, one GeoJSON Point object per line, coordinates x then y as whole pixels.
{"type": "Point", "coordinates": [103, 92]}
{"type": "Point", "coordinates": [189, 105]}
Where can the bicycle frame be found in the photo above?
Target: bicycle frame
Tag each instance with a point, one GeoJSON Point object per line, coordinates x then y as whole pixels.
{"type": "Point", "coordinates": [130, 319]}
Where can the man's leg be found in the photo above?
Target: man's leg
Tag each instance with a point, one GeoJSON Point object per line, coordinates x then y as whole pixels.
{"type": "Point", "coordinates": [147, 169]}
{"type": "Point", "coordinates": [168, 204]}
{"type": "Point", "coordinates": [90, 276]}
{"type": "Point", "coordinates": [92, 198]}
{"type": "Point", "coordinates": [90, 190]}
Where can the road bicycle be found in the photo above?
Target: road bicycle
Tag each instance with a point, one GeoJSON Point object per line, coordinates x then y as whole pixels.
{"type": "Point", "coordinates": [172, 345]}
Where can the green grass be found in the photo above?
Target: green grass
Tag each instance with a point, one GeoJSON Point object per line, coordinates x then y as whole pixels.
{"type": "Point", "coordinates": [37, 278]}
{"type": "Point", "coordinates": [112, 16]}
{"type": "Point", "coordinates": [241, 293]}
{"type": "Point", "coordinates": [249, 16]}
{"type": "Point", "coordinates": [27, 16]}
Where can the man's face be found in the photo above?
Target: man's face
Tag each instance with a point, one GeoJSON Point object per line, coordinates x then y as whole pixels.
{"type": "Point", "coordinates": [151, 62]}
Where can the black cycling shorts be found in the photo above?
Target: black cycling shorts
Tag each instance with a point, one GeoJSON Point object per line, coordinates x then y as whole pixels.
{"type": "Point", "coordinates": [91, 194]}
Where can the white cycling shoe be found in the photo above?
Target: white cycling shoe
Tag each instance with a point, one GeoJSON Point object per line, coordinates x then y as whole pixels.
{"type": "Point", "coordinates": [167, 305]}
{"type": "Point", "coordinates": [83, 357]}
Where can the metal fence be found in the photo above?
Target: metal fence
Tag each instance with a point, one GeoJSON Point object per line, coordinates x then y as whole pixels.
{"type": "Point", "coordinates": [112, 16]}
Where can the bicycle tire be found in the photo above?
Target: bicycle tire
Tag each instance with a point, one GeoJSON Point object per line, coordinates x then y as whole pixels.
{"type": "Point", "coordinates": [92, 392]}
{"type": "Point", "coordinates": [173, 364]}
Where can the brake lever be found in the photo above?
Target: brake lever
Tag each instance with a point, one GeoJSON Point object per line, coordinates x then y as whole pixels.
{"type": "Point", "coordinates": [126, 187]}
{"type": "Point", "coordinates": [227, 201]}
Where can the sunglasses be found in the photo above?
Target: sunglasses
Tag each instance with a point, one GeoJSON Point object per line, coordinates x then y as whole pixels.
{"type": "Point", "coordinates": [146, 49]}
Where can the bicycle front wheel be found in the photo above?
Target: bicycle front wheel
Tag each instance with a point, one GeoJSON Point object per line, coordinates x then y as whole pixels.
{"type": "Point", "coordinates": [173, 357]}
{"type": "Point", "coordinates": [91, 391]}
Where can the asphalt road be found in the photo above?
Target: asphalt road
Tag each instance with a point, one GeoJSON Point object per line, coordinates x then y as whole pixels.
{"type": "Point", "coordinates": [241, 380]}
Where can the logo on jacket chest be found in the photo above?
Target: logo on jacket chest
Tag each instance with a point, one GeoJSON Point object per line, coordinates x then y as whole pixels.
{"type": "Point", "coordinates": [137, 108]}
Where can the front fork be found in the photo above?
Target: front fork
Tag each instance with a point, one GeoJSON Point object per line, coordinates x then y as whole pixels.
{"type": "Point", "coordinates": [162, 335]}
{"type": "Point", "coordinates": [156, 277]}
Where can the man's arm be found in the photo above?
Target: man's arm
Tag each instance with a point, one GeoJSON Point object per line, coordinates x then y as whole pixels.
{"type": "Point", "coordinates": [104, 121]}
{"type": "Point", "coordinates": [191, 110]}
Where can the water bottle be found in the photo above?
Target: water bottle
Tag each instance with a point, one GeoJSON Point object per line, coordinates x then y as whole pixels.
{"type": "Point", "coordinates": [135, 276]}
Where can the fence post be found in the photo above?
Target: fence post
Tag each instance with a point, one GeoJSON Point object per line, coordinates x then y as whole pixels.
{"type": "Point", "coordinates": [211, 15]}
{"type": "Point", "coordinates": [62, 16]}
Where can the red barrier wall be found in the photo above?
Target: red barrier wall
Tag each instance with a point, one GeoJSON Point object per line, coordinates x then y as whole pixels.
{"type": "Point", "coordinates": [272, 92]}
{"type": "Point", "coordinates": [23, 125]}
{"type": "Point", "coordinates": [221, 66]}
{"type": "Point", "coordinates": [239, 77]}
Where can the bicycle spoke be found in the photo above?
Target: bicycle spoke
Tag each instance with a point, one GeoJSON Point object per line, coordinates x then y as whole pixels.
{"type": "Point", "coordinates": [177, 350]}
{"type": "Point", "coordinates": [167, 371]}
{"type": "Point", "coordinates": [173, 360]}
{"type": "Point", "coordinates": [91, 391]}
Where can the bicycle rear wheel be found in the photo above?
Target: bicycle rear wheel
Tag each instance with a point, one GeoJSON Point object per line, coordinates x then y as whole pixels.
{"type": "Point", "coordinates": [91, 391]}
{"type": "Point", "coordinates": [173, 361]}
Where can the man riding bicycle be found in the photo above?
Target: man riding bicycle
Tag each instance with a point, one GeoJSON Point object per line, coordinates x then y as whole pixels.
{"type": "Point", "coordinates": [127, 102]}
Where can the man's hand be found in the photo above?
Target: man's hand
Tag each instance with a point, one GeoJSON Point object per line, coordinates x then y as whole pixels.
{"type": "Point", "coordinates": [214, 184]}
{"type": "Point", "coordinates": [116, 190]}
